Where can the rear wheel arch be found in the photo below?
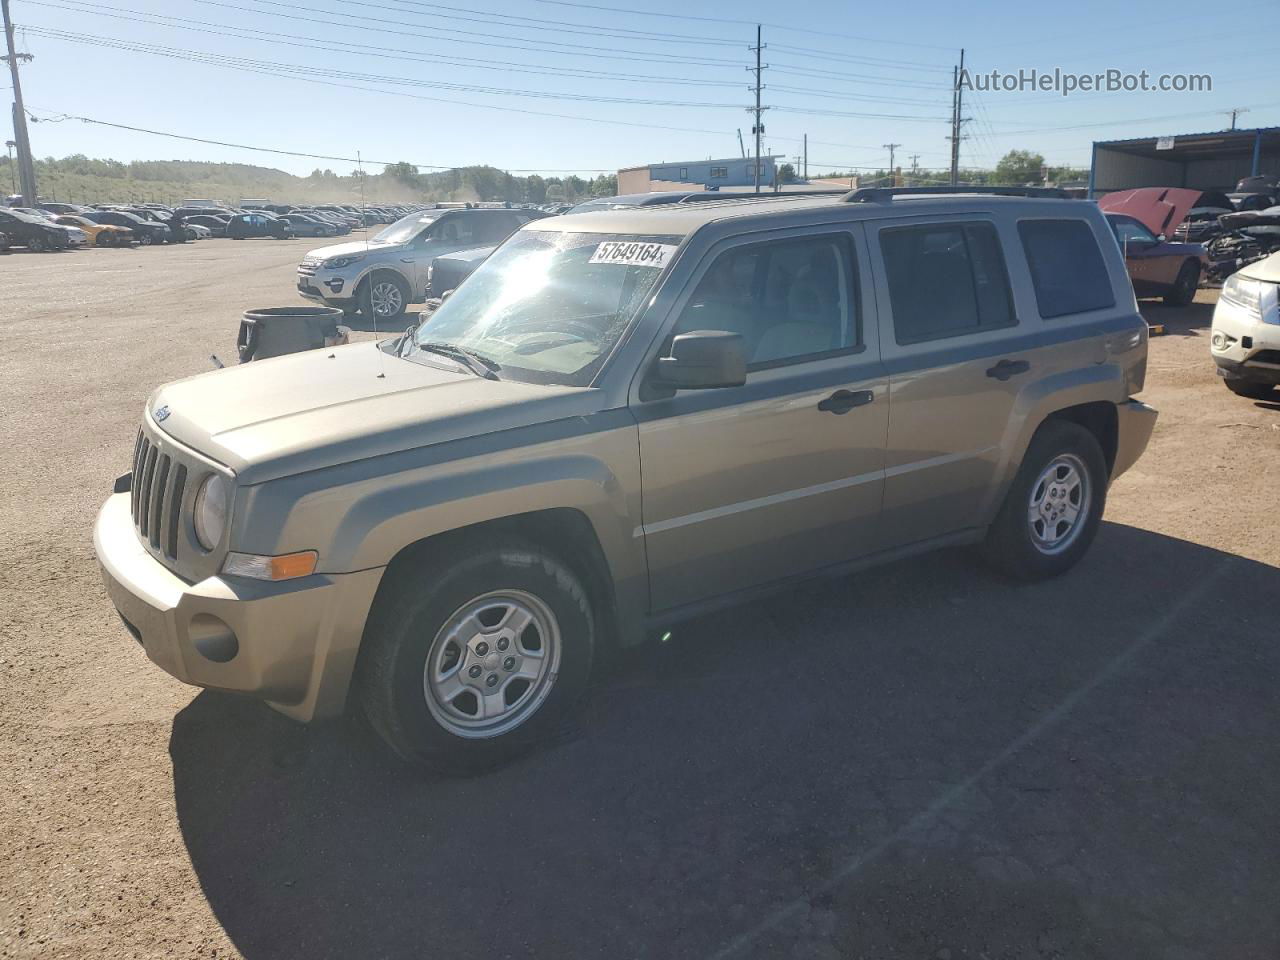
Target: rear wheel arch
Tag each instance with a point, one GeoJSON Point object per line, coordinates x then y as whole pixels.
{"type": "Point", "coordinates": [1100, 419]}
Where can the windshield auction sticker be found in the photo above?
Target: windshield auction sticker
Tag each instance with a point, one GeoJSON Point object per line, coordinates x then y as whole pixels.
{"type": "Point", "coordinates": [633, 254]}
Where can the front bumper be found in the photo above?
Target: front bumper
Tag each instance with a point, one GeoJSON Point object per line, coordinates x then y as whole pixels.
{"type": "Point", "coordinates": [1134, 423]}
{"type": "Point", "coordinates": [1244, 346]}
{"type": "Point", "coordinates": [292, 644]}
{"type": "Point", "coordinates": [325, 287]}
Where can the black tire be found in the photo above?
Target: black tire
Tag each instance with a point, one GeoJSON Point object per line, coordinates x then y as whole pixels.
{"type": "Point", "coordinates": [404, 628]}
{"type": "Point", "coordinates": [364, 296]}
{"type": "Point", "coordinates": [145, 239]}
{"type": "Point", "coordinates": [37, 245]}
{"type": "Point", "coordinates": [1184, 287]}
{"type": "Point", "coordinates": [1251, 389]}
{"type": "Point", "coordinates": [1011, 545]}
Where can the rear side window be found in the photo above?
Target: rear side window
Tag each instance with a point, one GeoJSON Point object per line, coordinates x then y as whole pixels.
{"type": "Point", "coordinates": [945, 280]}
{"type": "Point", "coordinates": [1067, 269]}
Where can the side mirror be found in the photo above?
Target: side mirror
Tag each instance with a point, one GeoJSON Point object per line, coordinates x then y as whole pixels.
{"type": "Point", "coordinates": [1161, 239]}
{"type": "Point", "coordinates": [702, 360]}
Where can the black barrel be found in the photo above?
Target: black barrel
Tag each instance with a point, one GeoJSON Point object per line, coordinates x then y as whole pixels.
{"type": "Point", "coordinates": [275, 331]}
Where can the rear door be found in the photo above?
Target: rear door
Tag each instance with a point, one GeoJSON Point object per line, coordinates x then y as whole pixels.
{"type": "Point", "coordinates": [781, 476]}
{"type": "Point", "coordinates": [946, 317]}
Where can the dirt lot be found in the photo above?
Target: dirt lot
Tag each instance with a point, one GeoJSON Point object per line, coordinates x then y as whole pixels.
{"type": "Point", "coordinates": [921, 761]}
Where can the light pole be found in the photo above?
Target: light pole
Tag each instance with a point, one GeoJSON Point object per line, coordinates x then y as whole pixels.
{"type": "Point", "coordinates": [13, 178]}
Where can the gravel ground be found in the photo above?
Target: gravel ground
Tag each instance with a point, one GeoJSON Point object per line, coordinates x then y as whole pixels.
{"type": "Point", "coordinates": [919, 761]}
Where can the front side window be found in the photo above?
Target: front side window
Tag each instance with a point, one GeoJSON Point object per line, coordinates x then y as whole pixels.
{"type": "Point", "coordinates": [945, 280]}
{"type": "Point", "coordinates": [548, 307]}
{"type": "Point", "coordinates": [456, 230]}
{"type": "Point", "coordinates": [1129, 230]}
{"type": "Point", "coordinates": [790, 300]}
{"type": "Point", "coordinates": [1067, 269]}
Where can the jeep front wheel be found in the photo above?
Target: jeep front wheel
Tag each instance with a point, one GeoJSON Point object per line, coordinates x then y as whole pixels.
{"type": "Point", "coordinates": [1052, 511]}
{"type": "Point", "coordinates": [470, 662]}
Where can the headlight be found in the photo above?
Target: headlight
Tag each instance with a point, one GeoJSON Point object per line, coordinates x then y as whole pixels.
{"type": "Point", "coordinates": [337, 263]}
{"type": "Point", "coordinates": [1244, 293]}
{"type": "Point", "coordinates": [211, 510]}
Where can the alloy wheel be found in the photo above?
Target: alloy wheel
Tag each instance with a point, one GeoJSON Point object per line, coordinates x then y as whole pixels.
{"type": "Point", "coordinates": [1059, 504]}
{"type": "Point", "coordinates": [387, 299]}
{"type": "Point", "coordinates": [492, 664]}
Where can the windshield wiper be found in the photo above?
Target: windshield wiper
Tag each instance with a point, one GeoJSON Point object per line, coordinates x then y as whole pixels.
{"type": "Point", "coordinates": [478, 364]}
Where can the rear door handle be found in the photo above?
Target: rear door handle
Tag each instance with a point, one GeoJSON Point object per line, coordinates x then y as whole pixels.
{"type": "Point", "coordinates": [1008, 368]}
{"type": "Point", "coordinates": [842, 401]}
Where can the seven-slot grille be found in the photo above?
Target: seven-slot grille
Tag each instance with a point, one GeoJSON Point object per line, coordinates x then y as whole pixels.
{"type": "Point", "coordinates": [156, 498]}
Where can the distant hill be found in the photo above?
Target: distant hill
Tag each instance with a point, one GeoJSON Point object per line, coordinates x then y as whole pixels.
{"type": "Point", "coordinates": [81, 179]}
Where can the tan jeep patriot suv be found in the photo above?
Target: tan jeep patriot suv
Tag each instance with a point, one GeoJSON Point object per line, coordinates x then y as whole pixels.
{"type": "Point", "coordinates": [620, 419]}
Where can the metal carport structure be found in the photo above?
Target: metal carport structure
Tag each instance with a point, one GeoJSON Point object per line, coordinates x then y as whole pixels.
{"type": "Point", "coordinates": [1199, 161]}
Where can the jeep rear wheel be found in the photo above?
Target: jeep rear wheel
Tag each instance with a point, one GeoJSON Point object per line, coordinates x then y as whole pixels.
{"type": "Point", "coordinates": [1052, 511]}
{"type": "Point", "coordinates": [469, 662]}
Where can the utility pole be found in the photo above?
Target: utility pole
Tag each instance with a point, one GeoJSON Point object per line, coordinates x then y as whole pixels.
{"type": "Point", "coordinates": [26, 169]}
{"type": "Point", "coordinates": [1234, 112]}
{"type": "Point", "coordinates": [806, 156]}
{"type": "Point", "coordinates": [741, 148]}
{"type": "Point", "coordinates": [957, 105]}
{"type": "Point", "coordinates": [758, 127]}
{"type": "Point", "coordinates": [893, 181]}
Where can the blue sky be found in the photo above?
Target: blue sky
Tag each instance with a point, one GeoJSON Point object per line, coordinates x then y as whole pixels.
{"type": "Point", "coordinates": [526, 84]}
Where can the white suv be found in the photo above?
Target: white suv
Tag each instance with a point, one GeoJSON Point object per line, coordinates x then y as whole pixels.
{"type": "Point", "coordinates": [385, 274]}
{"type": "Point", "coordinates": [1246, 330]}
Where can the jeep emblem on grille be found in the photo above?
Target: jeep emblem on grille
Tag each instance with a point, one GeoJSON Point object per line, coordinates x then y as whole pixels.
{"type": "Point", "coordinates": [160, 414]}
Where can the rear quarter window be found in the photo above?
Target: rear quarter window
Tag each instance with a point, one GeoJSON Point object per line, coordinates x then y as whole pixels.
{"type": "Point", "coordinates": [1067, 269]}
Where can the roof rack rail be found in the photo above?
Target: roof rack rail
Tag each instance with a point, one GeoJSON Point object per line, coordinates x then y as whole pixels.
{"type": "Point", "coordinates": [713, 196]}
{"type": "Point", "coordinates": [878, 194]}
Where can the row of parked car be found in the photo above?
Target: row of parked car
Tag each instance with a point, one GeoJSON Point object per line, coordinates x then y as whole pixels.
{"type": "Point", "coordinates": [59, 226]}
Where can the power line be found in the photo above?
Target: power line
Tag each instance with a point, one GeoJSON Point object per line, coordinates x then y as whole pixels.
{"type": "Point", "coordinates": [224, 60]}
{"type": "Point", "coordinates": [435, 100]}
{"type": "Point", "coordinates": [298, 153]}
{"type": "Point", "coordinates": [771, 26]}
{"type": "Point", "coordinates": [360, 49]}
{"type": "Point", "coordinates": [590, 28]}
{"type": "Point", "coordinates": [859, 77]}
{"type": "Point", "coordinates": [576, 48]}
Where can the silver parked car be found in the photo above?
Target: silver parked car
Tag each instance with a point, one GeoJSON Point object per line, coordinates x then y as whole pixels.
{"type": "Point", "coordinates": [385, 274]}
{"type": "Point", "coordinates": [622, 419]}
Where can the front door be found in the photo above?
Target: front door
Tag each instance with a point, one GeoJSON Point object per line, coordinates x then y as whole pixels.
{"type": "Point", "coordinates": [783, 475]}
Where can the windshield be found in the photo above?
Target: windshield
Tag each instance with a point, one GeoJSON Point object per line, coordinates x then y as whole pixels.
{"type": "Point", "coordinates": [406, 228]}
{"type": "Point", "coordinates": [549, 307]}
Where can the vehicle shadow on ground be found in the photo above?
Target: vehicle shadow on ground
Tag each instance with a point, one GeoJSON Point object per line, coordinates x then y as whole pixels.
{"type": "Point", "coordinates": [1179, 321]}
{"type": "Point", "coordinates": [913, 759]}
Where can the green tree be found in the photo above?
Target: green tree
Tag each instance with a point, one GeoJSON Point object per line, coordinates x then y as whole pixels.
{"type": "Point", "coordinates": [786, 173]}
{"type": "Point", "coordinates": [1019, 167]}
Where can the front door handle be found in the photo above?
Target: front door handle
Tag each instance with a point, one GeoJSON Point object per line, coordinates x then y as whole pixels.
{"type": "Point", "coordinates": [842, 401]}
{"type": "Point", "coordinates": [1008, 368]}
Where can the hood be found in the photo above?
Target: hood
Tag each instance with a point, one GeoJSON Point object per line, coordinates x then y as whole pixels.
{"type": "Point", "coordinates": [1251, 218]}
{"type": "Point", "coordinates": [1267, 269]}
{"type": "Point", "coordinates": [319, 408]}
{"type": "Point", "coordinates": [345, 249]}
{"type": "Point", "coordinates": [1159, 209]}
